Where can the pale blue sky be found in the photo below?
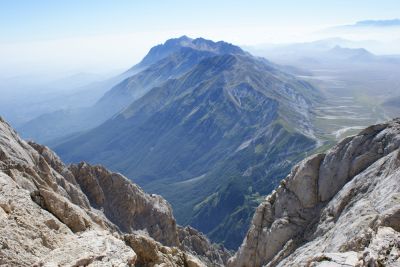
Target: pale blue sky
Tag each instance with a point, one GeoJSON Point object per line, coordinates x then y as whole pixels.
{"type": "Point", "coordinates": [44, 31]}
{"type": "Point", "coordinates": [49, 19]}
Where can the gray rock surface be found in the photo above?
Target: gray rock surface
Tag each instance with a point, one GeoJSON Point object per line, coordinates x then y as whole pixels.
{"type": "Point", "coordinates": [199, 245]}
{"type": "Point", "coordinates": [82, 215]}
{"type": "Point", "coordinates": [335, 209]}
{"type": "Point", "coordinates": [125, 204]}
{"type": "Point", "coordinates": [153, 253]}
{"type": "Point", "coordinates": [31, 235]}
{"type": "Point", "coordinates": [341, 208]}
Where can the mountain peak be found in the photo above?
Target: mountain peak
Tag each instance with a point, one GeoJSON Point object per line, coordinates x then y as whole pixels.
{"type": "Point", "coordinates": [173, 45]}
{"type": "Point", "coordinates": [180, 41]}
{"type": "Point", "coordinates": [351, 53]}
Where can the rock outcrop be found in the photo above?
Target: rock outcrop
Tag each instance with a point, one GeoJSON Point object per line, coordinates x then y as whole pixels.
{"type": "Point", "coordinates": [341, 208]}
{"type": "Point", "coordinates": [125, 204]}
{"type": "Point", "coordinates": [81, 215]}
{"type": "Point", "coordinates": [152, 253]}
{"type": "Point", "coordinates": [199, 245]}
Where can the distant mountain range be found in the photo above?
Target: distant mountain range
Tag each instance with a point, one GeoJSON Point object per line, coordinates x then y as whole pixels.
{"type": "Point", "coordinates": [208, 126]}
{"type": "Point", "coordinates": [77, 112]}
{"type": "Point", "coordinates": [376, 23]}
{"type": "Point", "coordinates": [326, 51]}
{"type": "Point", "coordinates": [213, 128]}
{"type": "Point", "coordinates": [173, 59]}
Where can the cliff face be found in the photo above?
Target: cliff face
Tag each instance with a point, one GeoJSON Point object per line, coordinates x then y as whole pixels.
{"type": "Point", "coordinates": [125, 204]}
{"type": "Point", "coordinates": [340, 208]}
{"type": "Point", "coordinates": [53, 214]}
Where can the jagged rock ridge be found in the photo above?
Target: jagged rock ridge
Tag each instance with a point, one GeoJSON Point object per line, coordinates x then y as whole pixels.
{"type": "Point", "coordinates": [53, 214]}
{"type": "Point", "coordinates": [341, 208]}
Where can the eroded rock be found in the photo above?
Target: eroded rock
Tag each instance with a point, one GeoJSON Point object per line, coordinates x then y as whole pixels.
{"type": "Point", "coordinates": [331, 207]}
{"type": "Point", "coordinates": [54, 215]}
{"type": "Point", "coordinates": [125, 204]}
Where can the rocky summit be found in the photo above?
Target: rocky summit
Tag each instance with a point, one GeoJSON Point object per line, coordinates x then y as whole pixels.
{"type": "Point", "coordinates": [82, 215]}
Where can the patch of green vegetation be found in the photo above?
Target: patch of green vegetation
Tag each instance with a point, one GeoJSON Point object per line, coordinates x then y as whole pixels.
{"type": "Point", "coordinates": [259, 149]}
{"type": "Point", "coordinates": [285, 125]}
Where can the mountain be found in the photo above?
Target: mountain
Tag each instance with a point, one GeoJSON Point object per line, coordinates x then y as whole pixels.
{"type": "Point", "coordinates": [376, 23]}
{"type": "Point", "coordinates": [313, 46]}
{"type": "Point", "coordinates": [321, 52]}
{"type": "Point", "coordinates": [343, 53]}
{"type": "Point", "coordinates": [82, 215]}
{"type": "Point", "coordinates": [163, 62]}
{"type": "Point", "coordinates": [72, 111]}
{"type": "Point", "coordinates": [25, 98]}
{"type": "Point", "coordinates": [208, 139]}
{"type": "Point", "coordinates": [355, 82]}
{"type": "Point", "coordinates": [173, 45]}
{"type": "Point", "coordinates": [340, 208]}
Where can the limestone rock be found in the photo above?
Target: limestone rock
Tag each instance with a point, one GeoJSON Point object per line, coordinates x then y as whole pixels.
{"type": "Point", "coordinates": [125, 204]}
{"type": "Point", "coordinates": [334, 259]}
{"type": "Point", "coordinates": [54, 215]}
{"type": "Point", "coordinates": [90, 248]}
{"type": "Point", "coordinates": [197, 244]}
{"type": "Point", "coordinates": [68, 213]}
{"type": "Point", "coordinates": [30, 235]}
{"type": "Point", "coordinates": [333, 209]}
{"type": "Point", "coordinates": [151, 253]}
{"type": "Point", "coordinates": [341, 208]}
{"type": "Point", "coordinates": [303, 180]}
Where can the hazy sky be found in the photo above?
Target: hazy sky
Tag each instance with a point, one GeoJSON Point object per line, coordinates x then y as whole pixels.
{"type": "Point", "coordinates": [98, 35]}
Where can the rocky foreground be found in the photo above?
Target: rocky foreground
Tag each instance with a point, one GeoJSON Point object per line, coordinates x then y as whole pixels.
{"type": "Point", "coordinates": [341, 208]}
{"type": "Point", "coordinates": [81, 215]}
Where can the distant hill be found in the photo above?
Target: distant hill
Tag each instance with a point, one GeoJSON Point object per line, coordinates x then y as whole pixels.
{"type": "Point", "coordinates": [377, 23]}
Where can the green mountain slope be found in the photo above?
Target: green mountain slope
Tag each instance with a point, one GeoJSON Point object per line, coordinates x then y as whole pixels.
{"type": "Point", "coordinates": [165, 61]}
{"type": "Point", "coordinates": [211, 141]}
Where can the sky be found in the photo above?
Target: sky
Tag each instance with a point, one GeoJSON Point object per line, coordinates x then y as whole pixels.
{"type": "Point", "coordinates": [104, 36]}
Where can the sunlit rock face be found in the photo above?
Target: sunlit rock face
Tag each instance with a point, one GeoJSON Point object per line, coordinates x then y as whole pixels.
{"type": "Point", "coordinates": [81, 215]}
{"type": "Point", "coordinates": [340, 208]}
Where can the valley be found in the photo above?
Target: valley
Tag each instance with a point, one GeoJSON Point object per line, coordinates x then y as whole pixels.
{"type": "Point", "coordinates": [213, 129]}
{"type": "Point", "coordinates": [345, 110]}
{"type": "Point", "coordinates": [207, 137]}
{"type": "Point", "coordinates": [200, 133]}
{"type": "Point", "coordinates": [355, 83]}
